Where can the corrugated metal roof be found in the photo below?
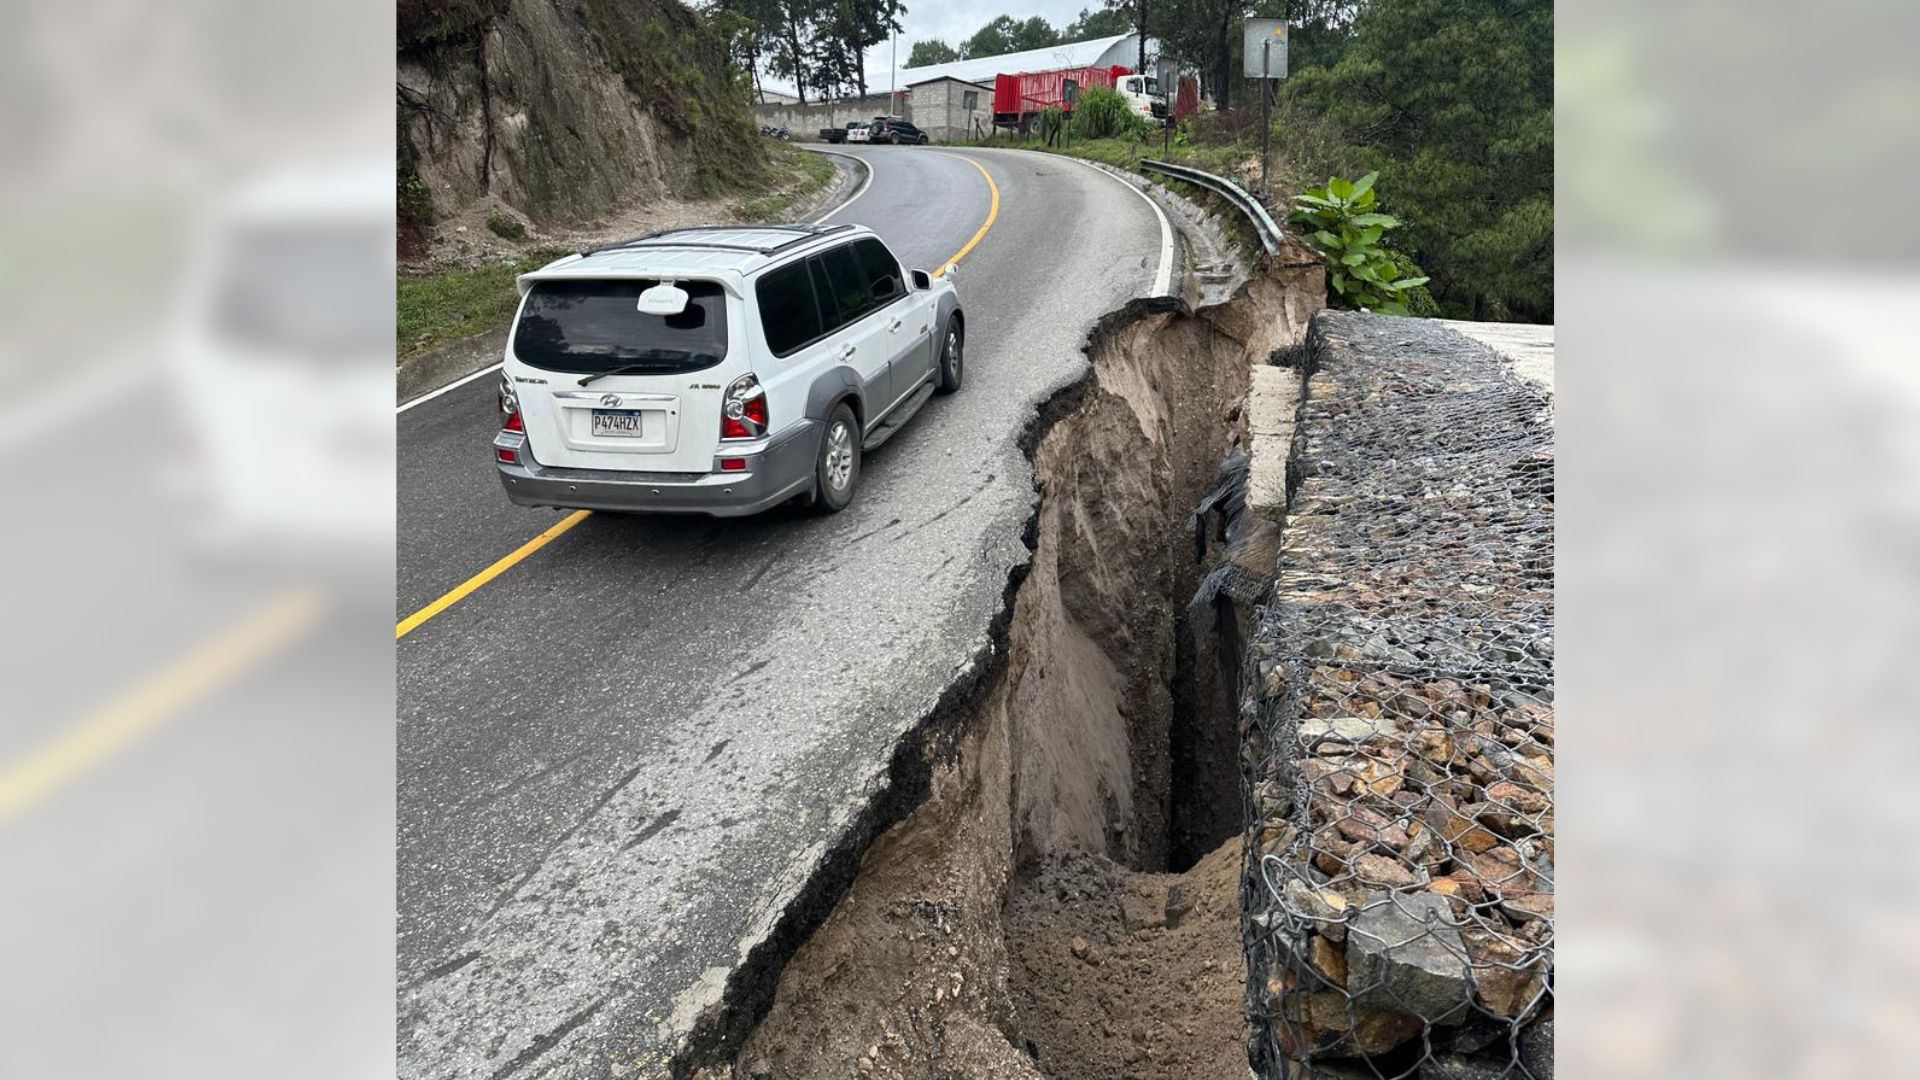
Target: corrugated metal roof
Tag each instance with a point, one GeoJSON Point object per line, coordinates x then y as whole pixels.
{"type": "Point", "coordinates": [1123, 48]}
{"type": "Point", "coordinates": [982, 70]}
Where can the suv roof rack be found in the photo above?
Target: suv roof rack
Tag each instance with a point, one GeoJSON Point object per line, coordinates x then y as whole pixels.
{"type": "Point", "coordinates": [665, 238]}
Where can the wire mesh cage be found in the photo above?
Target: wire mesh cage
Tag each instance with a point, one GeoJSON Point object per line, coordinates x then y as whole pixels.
{"type": "Point", "coordinates": [1398, 739]}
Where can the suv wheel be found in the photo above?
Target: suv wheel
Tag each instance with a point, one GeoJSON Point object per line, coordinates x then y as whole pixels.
{"type": "Point", "coordinates": [836, 476]}
{"type": "Point", "coordinates": [953, 361]}
{"type": "Point", "coordinates": [922, 141]}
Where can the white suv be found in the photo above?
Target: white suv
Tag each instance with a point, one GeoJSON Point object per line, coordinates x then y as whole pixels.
{"type": "Point", "coordinates": [719, 370]}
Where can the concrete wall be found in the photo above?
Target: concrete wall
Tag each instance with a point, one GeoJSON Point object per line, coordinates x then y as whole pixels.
{"type": "Point", "coordinates": [805, 121]}
{"type": "Point", "coordinates": [938, 107]}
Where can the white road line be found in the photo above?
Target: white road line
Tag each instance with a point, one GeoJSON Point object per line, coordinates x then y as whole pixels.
{"type": "Point", "coordinates": [457, 384]}
{"type": "Point", "coordinates": [450, 387]}
{"type": "Point", "coordinates": [864, 185]}
{"type": "Point", "coordinates": [1163, 278]}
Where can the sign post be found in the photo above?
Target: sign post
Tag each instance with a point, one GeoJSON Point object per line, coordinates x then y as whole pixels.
{"type": "Point", "coordinates": [1264, 57]}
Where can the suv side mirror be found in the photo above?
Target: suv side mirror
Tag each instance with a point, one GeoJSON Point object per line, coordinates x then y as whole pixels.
{"type": "Point", "coordinates": [921, 279]}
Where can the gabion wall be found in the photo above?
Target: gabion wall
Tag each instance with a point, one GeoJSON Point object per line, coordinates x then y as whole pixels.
{"type": "Point", "coordinates": [1398, 733]}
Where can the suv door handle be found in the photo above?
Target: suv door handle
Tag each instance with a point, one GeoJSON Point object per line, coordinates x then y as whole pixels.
{"type": "Point", "coordinates": [895, 325]}
{"type": "Point", "coordinates": [846, 351]}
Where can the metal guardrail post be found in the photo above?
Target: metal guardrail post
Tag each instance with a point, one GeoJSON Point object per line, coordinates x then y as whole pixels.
{"type": "Point", "coordinates": [1255, 211]}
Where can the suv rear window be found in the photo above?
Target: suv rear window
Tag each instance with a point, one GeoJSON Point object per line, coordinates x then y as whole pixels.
{"type": "Point", "coordinates": [593, 325]}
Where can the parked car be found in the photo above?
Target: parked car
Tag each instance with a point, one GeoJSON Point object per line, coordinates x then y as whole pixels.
{"type": "Point", "coordinates": [859, 130]}
{"type": "Point", "coordinates": [894, 129]}
{"type": "Point", "coordinates": [833, 134]}
{"type": "Point", "coordinates": [719, 370]}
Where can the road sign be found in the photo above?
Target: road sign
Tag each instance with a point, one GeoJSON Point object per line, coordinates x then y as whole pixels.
{"type": "Point", "coordinates": [1265, 55]}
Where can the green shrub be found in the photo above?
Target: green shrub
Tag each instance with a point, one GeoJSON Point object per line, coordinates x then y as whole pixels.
{"type": "Point", "coordinates": [1102, 113]}
{"type": "Point", "coordinates": [1050, 120]}
{"type": "Point", "coordinates": [1347, 230]}
{"type": "Point", "coordinates": [505, 227]}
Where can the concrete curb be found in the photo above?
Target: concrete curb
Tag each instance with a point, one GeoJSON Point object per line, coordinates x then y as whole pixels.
{"type": "Point", "coordinates": [440, 368]}
{"type": "Point", "coordinates": [851, 175]}
{"type": "Point", "coordinates": [1273, 413]}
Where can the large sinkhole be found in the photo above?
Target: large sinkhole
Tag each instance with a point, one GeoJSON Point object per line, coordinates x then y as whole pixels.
{"type": "Point", "coordinates": [1064, 903]}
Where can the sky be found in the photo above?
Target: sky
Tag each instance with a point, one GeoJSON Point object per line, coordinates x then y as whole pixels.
{"type": "Point", "coordinates": [955, 22]}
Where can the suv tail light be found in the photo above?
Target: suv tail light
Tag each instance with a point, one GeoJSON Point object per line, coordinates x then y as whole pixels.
{"type": "Point", "coordinates": [509, 408]}
{"type": "Point", "coordinates": [743, 412]}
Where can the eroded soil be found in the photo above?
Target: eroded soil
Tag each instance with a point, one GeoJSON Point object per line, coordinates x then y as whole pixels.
{"type": "Point", "coordinates": [1019, 922]}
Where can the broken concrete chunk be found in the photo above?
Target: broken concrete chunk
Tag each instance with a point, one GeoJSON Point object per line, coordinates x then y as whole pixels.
{"type": "Point", "coordinates": [1403, 955]}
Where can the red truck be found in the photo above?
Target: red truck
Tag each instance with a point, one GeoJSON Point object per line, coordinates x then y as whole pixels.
{"type": "Point", "coordinates": [1019, 99]}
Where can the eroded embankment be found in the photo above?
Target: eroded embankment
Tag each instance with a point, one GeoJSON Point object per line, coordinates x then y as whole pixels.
{"type": "Point", "coordinates": [1021, 920]}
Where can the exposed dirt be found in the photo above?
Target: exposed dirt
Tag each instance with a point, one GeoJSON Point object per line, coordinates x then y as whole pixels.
{"type": "Point", "coordinates": [953, 954]}
{"type": "Point", "coordinates": [462, 238]}
{"type": "Point", "coordinates": [1120, 974]}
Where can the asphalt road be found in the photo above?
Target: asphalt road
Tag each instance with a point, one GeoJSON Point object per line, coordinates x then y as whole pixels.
{"type": "Point", "coordinates": [194, 772]}
{"type": "Point", "coordinates": [621, 759]}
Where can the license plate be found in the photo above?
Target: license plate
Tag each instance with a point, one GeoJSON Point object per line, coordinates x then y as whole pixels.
{"type": "Point", "coordinates": [624, 423]}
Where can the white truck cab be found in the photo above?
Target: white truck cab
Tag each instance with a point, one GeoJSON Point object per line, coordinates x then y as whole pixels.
{"type": "Point", "coordinates": [719, 370]}
{"type": "Point", "coordinates": [1143, 95]}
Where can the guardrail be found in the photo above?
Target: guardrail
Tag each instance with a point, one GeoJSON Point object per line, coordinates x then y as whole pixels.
{"type": "Point", "coordinates": [1263, 222]}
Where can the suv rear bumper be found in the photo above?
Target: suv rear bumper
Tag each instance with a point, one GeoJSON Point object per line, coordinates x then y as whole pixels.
{"type": "Point", "coordinates": [779, 471]}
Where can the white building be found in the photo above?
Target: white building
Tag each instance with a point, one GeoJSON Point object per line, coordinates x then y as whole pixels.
{"type": "Point", "coordinates": [1122, 50]}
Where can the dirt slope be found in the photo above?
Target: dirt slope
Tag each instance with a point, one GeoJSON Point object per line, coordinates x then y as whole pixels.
{"type": "Point", "coordinates": [563, 110]}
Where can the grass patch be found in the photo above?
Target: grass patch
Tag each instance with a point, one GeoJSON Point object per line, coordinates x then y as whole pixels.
{"type": "Point", "coordinates": [1127, 153]}
{"type": "Point", "coordinates": [796, 176]}
{"type": "Point", "coordinates": [433, 309]}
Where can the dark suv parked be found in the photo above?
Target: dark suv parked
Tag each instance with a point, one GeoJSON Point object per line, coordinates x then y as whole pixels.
{"type": "Point", "coordinates": [893, 129]}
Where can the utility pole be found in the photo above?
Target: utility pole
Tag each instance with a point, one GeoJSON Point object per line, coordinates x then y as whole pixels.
{"type": "Point", "coordinates": [893, 68]}
{"type": "Point", "coordinates": [1266, 112]}
{"type": "Point", "coordinates": [1142, 27]}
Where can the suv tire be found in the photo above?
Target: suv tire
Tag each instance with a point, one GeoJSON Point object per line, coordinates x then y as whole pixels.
{"type": "Point", "coordinates": [953, 360]}
{"type": "Point", "coordinates": [836, 472]}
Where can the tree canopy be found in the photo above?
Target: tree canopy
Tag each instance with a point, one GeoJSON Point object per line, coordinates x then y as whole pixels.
{"type": "Point", "coordinates": [819, 45]}
{"type": "Point", "coordinates": [931, 51]}
{"type": "Point", "coordinates": [1099, 23]}
{"type": "Point", "coordinates": [1453, 101]}
{"type": "Point", "coordinates": [1006, 35]}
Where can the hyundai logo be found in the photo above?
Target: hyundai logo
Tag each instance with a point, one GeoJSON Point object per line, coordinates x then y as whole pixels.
{"type": "Point", "coordinates": [610, 400]}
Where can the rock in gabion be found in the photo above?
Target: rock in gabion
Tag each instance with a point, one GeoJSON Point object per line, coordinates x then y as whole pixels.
{"type": "Point", "coordinates": [1398, 731]}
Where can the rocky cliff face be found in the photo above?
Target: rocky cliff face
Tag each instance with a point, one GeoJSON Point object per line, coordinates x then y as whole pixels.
{"type": "Point", "coordinates": [563, 109]}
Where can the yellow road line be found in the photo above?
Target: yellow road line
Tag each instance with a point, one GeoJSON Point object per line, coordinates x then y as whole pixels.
{"type": "Point", "coordinates": [419, 618]}
{"type": "Point", "coordinates": [140, 711]}
{"type": "Point", "coordinates": [993, 211]}
{"type": "Point", "coordinates": [413, 621]}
